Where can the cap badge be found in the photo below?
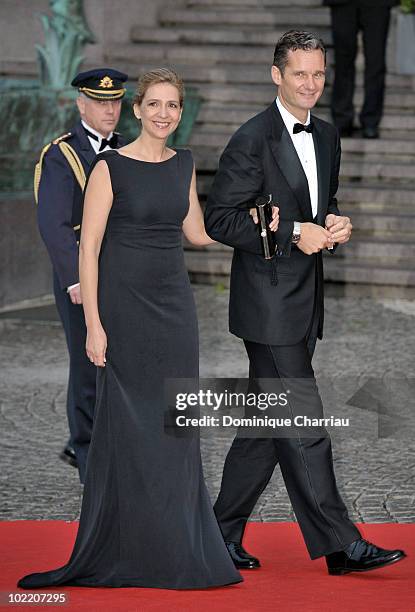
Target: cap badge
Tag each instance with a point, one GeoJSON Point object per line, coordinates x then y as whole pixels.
{"type": "Point", "coordinates": [106, 82]}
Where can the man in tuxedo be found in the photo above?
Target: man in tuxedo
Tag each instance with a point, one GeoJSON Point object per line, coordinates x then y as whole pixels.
{"type": "Point", "coordinates": [60, 179]}
{"type": "Point", "coordinates": [372, 18]}
{"type": "Point", "coordinates": [276, 305]}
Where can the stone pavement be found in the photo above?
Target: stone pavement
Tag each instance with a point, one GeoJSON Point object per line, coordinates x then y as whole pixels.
{"type": "Point", "coordinates": [364, 338]}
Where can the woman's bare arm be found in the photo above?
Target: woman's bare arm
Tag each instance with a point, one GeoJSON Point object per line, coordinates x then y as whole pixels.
{"type": "Point", "coordinates": [193, 225]}
{"type": "Point", "coordinates": [97, 205]}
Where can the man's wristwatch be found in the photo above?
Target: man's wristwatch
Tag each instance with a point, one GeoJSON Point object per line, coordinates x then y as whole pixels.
{"type": "Point", "coordinates": [296, 232]}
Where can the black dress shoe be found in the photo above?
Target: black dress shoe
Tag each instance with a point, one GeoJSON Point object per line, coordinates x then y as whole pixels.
{"type": "Point", "coordinates": [370, 132]}
{"type": "Point", "coordinates": [241, 558]}
{"type": "Point", "coordinates": [361, 556]}
{"type": "Point", "coordinates": [68, 455]}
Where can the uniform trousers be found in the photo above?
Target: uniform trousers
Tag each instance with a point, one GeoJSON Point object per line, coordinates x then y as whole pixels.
{"type": "Point", "coordinates": [82, 377]}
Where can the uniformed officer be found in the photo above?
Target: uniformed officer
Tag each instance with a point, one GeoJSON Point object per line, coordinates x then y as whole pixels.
{"type": "Point", "coordinates": [59, 182]}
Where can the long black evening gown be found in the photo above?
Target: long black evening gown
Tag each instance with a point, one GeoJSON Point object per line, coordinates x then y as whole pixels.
{"type": "Point", "coordinates": [146, 517]}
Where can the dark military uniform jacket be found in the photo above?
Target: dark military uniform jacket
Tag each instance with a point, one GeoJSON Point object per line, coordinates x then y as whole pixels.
{"type": "Point", "coordinates": [60, 204]}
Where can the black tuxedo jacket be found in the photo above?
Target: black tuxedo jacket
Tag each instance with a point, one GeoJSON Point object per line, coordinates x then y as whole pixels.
{"type": "Point", "coordinates": [374, 3]}
{"type": "Point", "coordinates": [61, 204]}
{"type": "Point", "coordinates": [261, 159]}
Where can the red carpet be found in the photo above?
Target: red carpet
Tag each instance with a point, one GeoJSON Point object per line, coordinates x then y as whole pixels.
{"type": "Point", "coordinates": [292, 583]}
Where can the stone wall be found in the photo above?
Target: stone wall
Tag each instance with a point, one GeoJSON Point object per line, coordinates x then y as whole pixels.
{"type": "Point", "coordinates": [110, 21]}
{"type": "Point", "coordinates": [25, 270]}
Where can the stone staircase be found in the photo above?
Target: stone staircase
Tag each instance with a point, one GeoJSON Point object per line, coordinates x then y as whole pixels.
{"type": "Point", "coordinates": [225, 49]}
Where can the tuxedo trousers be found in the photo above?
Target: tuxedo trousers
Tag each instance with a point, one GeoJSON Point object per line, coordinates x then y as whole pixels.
{"type": "Point", "coordinates": [306, 463]}
{"type": "Point", "coordinates": [347, 20]}
{"type": "Point", "coordinates": [82, 377]}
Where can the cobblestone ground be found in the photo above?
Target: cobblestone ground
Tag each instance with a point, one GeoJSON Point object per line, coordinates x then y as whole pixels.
{"type": "Point", "coordinates": [363, 338]}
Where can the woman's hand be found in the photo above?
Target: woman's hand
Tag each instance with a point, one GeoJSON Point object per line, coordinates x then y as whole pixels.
{"type": "Point", "coordinates": [96, 345]}
{"type": "Point", "coordinates": [275, 217]}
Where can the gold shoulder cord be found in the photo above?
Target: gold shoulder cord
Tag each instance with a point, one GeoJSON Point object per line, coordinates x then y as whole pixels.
{"type": "Point", "coordinates": [71, 157]}
{"type": "Point", "coordinates": [74, 162]}
{"type": "Point", "coordinates": [38, 171]}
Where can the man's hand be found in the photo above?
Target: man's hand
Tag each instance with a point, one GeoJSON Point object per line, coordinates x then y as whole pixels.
{"type": "Point", "coordinates": [340, 228]}
{"type": "Point", "coordinates": [314, 238]}
{"type": "Point", "coordinates": [75, 295]}
{"type": "Point", "coordinates": [275, 217]}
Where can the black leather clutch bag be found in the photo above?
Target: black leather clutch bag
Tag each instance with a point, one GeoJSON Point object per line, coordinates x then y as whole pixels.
{"type": "Point", "coordinates": [264, 205]}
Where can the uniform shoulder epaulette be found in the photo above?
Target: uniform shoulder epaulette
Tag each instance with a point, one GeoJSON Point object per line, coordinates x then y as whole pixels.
{"type": "Point", "coordinates": [71, 157]}
{"type": "Point", "coordinates": [60, 138]}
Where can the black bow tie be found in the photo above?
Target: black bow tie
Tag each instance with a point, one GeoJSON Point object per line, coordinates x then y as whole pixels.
{"type": "Point", "coordinates": [112, 142]}
{"type": "Point", "coordinates": [299, 127]}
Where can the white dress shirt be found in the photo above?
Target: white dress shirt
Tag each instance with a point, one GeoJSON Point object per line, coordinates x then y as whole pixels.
{"type": "Point", "coordinates": [95, 144]}
{"type": "Point", "coordinates": [304, 145]}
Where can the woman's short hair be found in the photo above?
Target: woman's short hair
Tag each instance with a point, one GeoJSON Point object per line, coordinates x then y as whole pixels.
{"type": "Point", "coordinates": [153, 77]}
{"type": "Point", "coordinates": [296, 40]}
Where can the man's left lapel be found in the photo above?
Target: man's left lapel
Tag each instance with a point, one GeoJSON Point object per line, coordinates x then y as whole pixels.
{"type": "Point", "coordinates": [323, 170]}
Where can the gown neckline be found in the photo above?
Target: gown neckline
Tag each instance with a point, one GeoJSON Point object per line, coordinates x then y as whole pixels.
{"type": "Point", "coordinates": [143, 161]}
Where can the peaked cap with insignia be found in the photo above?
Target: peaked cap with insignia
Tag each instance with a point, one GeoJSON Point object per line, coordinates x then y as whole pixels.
{"type": "Point", "coordinates": [101, 83]}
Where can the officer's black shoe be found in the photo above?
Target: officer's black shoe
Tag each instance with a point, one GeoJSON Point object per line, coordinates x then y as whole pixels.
{"type": "Point", "coordinates": [241, 558]}
{"type": "Point", "coordinates": [68, 455]}
{"type": "Point", "coordinates": [370, 132]}
{"type": "Point", "coordinates": [361, 556]}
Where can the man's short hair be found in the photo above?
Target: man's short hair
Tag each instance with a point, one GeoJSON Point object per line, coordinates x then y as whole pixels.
{"type": "Point", "coordinates": [296, 40]}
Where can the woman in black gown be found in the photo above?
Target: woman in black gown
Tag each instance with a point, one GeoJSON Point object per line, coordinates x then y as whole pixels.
{"type": "Point", "coordinates": [146, 517]}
